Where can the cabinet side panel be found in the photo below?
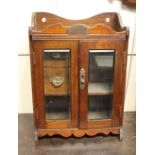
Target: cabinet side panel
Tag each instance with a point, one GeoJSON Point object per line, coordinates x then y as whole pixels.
{"type": "Point", "coordinates": [124, 68]}
{"type": "Point", "coordinates": [32, 81]}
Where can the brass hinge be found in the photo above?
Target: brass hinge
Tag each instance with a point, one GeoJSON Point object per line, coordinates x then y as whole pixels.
{"type": "Point", "coordinates": [33, 57]}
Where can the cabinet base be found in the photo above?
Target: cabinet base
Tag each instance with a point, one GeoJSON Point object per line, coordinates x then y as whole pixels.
{"type": "Point", "coordinates": [77, 132]}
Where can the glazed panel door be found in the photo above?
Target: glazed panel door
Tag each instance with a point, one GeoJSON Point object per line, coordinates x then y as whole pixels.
{"type": "Point", "coordinates": [56, 83]}
{"type": "Point", "coordinates": [100, 81]}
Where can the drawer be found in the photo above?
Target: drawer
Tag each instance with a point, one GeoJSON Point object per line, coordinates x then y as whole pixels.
{"type": "Point", "coordinates": [56, 78]}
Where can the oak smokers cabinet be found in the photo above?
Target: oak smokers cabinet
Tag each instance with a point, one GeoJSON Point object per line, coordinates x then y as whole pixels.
{"type": "Point", "coordinates": [78, 70]}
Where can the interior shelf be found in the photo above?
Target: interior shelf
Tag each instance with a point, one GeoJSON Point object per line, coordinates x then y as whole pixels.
{"type": "Point", "coordinates": [94, 115]}
{"type": "Point", "coordinates": [100, 88]}
{"type": "Point", "coordinates": [57, 116]}
{"type": "Point", "coordinates": [57, 94]}
{"type": "Point", "coordinates": [106, 62]}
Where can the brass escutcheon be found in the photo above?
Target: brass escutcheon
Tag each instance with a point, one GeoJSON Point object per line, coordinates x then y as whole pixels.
{"type": "Point", "coordinates": [82, 78]}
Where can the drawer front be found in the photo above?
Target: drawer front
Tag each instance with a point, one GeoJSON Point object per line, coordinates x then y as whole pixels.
{"type": "Point", "coordinates": [56, 78]}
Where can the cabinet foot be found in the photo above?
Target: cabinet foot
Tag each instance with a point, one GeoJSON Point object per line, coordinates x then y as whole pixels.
{"type": "Point", "coordinates": [36, 138]}
{"type": "Point", "coordinates": [121, 134]}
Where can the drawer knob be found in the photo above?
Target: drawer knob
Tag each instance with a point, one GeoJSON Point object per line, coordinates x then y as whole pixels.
{"type": "Point", "coordinates": [57, 81]}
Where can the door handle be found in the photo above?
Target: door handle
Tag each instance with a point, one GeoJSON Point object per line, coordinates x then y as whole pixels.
{"type": "Point", "coordinates": [82, 78]}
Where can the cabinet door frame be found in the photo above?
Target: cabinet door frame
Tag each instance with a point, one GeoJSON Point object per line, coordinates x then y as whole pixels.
{"type": "Point", "coordinates": [38, 47]}
{"type": "Point", "coordinates": [118, 46]}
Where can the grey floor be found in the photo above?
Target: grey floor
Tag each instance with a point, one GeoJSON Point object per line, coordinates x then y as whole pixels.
{"type": "Point", "coordinates": [97, 145]}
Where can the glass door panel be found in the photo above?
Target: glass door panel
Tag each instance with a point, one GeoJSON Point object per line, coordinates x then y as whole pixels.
{"type": "Point", "coordinates": [100, 84]}
{"type": "Point", "coordinates": [56, 72]}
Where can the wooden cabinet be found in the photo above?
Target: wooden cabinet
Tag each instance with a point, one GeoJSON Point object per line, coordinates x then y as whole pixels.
{"type": "Point", "coordinates": [78, 70]}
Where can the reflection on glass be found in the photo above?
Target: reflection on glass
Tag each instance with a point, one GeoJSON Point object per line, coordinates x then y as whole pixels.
{"type": "Point", "coordinates": [56, 68]}
{"type": "Point", "coordinates": [100, 86]}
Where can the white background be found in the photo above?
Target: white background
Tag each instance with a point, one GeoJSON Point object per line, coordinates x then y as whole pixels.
{"type": "Point", "coordinates": [72, 10]}
{"type": "Point", "coordinates": [11, 17]}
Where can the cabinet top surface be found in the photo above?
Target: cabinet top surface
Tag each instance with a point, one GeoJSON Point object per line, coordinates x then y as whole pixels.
{"type": "Point", "coordinates": [102, 24]}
